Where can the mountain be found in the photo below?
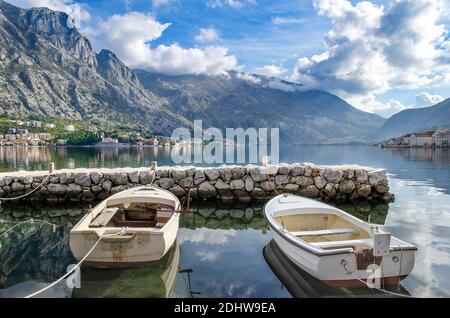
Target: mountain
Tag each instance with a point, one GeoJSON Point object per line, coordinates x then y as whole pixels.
{"type": "Point", "coordinates": [412, 120]}
{"type": "Point", "coordinates": [243, 100]}
{"type": "Point", "coordinates": [49, 68]}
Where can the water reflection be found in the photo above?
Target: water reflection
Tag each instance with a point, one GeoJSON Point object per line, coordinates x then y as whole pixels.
{"type": "Point", "coordinates": [31, 255]}
{"type": "Point", "coordinates": [222, 244]}
{"type": "Point", "coordinates": [153, 281]}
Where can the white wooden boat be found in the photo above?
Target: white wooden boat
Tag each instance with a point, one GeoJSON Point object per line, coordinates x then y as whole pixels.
{"type": "Point", "coordinates": [334, 246]}
{"type": "Point", "coordinates": [147, 218]}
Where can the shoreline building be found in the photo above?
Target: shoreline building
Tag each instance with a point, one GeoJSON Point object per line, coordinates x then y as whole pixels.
{"type": "Point", "coordinates": [442, 138]}
{"type": "Point", "coordinates": [109, 140]}
{"type": "Point", "coordinates": [154, 141]}
{"type": "Point", "coordinates": [421, 139]}
{"type": "Point", "coordinates": [69, 128]}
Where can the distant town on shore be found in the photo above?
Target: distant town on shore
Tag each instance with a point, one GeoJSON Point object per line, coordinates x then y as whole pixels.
{"type": "Point", "coordinates": [49, 131]}
{"type": "Point", "coordinates": [439, 138]}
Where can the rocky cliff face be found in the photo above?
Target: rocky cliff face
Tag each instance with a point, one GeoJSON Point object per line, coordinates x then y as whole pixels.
{"type": "Point", "coordinates": [48, 68]}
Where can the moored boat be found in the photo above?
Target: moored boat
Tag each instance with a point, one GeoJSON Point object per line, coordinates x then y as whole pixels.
{"type": "Point", "coordinates": [336, 247]}
{"type": "Point", "coordinates": [131, 228]}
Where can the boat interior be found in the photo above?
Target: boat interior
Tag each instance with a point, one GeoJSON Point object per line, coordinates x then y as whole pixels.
{"type": "Point", "coordinates": [326, 231]}
{"type": "Point", "coordinates": [134, 214]}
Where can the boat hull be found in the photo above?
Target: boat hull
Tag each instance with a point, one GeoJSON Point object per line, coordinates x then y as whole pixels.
{"type": "Point", "coordinates": [137, 249]}
{"type": "Point", "coordinates": [329, 269]}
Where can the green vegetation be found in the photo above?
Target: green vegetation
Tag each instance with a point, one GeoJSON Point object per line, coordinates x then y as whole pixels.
{"type": "Point", "coordinates": [85, 133]}
{"type": "Point", "coordinates": [79, 138]}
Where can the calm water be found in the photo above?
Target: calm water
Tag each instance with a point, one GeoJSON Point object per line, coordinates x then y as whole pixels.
{"type": "Point", "coordinates": [226, 250]}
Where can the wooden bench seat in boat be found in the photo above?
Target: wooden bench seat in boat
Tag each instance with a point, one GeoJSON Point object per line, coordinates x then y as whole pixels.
{"type": "Point", "coordinates": [131, 223]}
{"type": "Point", "coordinates": [104, 217]}
{"type": "Point", "coordinates": [325, 232]}
{"type": "Point", "coordinates": [338, 244]}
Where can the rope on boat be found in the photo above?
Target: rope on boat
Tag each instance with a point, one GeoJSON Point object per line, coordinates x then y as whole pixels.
{"type": "Point", "coordinates": [27, 194]}
{"type": "Point", "coordinates": [123, 231]}
{"type": "Point", "coordinates": [369, 285]}
{"type": "Point", "coordinates": [31, 221]}
{"type": "Point", "coordinates": [153, 178]}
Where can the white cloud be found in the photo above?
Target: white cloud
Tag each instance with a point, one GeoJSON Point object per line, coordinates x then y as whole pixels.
{"type": "Point", "coordinates": [271, 70]}
{"type": "Point", "coordinates": [207, 35]}
{"type": "Point", "coordinates": [282, 86]}
{"type": "Point", "coordinates": [372, 49]}
{"type": "Point", "coordinates": [287, 20]}
{"type": "Point", "coordinates": [370, 103]}
{"type": "Point", "coordinates": [206, 236]}
{"type": "Point", "coordinates": [426, 100]}
{"type": "Point", "coordinates": [159, 3]}
{"type": "Point", "coordinates": [130, 35]}
{"type": "Point", "coordinates": [78, 12]}
{"type": "Point", "coordinates": [248, 78]}
{"type": "Point", "coordinates": [235, 4]}
{"type": "Point", "coordinates": [206, 256]}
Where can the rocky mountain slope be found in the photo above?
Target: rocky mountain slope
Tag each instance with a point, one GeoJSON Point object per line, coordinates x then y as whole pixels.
{"type": "Point", "coordinates": [242, 100]}
{"type": "Point", "coordinates": [412, 120]}
{"type": "Point", "coordinates": [48, 68]}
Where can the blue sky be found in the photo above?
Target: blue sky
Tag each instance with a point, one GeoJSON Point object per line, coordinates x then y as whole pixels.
{"type": "Point", "coordinates": [382, 56]}
{"type": "Point", "coordinates": [249, 32]}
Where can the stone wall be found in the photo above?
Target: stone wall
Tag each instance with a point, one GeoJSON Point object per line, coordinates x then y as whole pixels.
{"type": "Point", "coordinates": [244, 183]}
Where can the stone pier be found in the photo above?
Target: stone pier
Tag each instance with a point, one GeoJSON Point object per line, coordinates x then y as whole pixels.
{"type": "Point", "coordinates": [225, 183]}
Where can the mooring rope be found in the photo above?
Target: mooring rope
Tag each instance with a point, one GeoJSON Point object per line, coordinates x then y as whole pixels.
{"type": "Point", "coordinates": [153, 178]}
{"type": "Point", "coordinates": [121, 232]}
{"type": "Point", "coordinates": [369, 285]}
{"type": "Point", "coordinates": [27, 194]}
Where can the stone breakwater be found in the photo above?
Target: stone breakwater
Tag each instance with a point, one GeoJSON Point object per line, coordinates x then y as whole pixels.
{"type": "Point", "coordinates": [226, 183]}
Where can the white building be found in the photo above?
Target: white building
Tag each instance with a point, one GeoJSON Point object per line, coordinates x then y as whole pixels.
{"type": "Point", "coordinates": [407, 139]}
{"type": "Point", "coordinates": [51, 126]}
{"type": "Point", "coordinates": [442, 138]}
{"type": "Point", "coordinates": [109, 140]}
{"type": "Point", "coordinates": [22, 132]}
{"type": "Point", "coordinates": [10, 137]}
{"type": "Point", "coordinates": [36, 124]}
{"type": "Point", "coordinates": [44, 136]}
{"type": "Point", "coordinates": [421, 139]}
{"type": "Point", "coordinates": [154, 141]}
{"type": "Point", "coordinates": [69, 128]}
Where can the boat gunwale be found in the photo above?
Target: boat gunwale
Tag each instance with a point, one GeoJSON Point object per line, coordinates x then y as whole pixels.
{"type": "Point", "coordinates": [137, 230]}
{"type": "Point", "coordinates": [317, 251]}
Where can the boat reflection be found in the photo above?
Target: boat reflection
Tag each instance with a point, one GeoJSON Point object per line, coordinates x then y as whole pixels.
{"type": "Point", "coordinates": [154, 281]}
{"type": "Point", "coordinates": [302, 285]}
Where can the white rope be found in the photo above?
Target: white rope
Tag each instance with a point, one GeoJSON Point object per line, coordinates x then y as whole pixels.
{"type": "Point", "coordinates": [121, 232]}
{"type": "Point", "coordinates": [31, 221]}
{"type": "Point", "coordinates": [369, 285]}
{"type": "Point", "coordinates": [153, 178]}
{"type": "Point", "coordinates": [26, 194]}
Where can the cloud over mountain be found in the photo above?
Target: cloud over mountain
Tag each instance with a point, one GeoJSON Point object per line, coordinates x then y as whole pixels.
{"type": "Point", "coordinates": [372, 49]}
{"type": "Point", "coordinates": [426, 100]}
{"type": "Point", "coordinates": [130, 36]}
{"type": "Point", "coordinates": [76, 10]}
